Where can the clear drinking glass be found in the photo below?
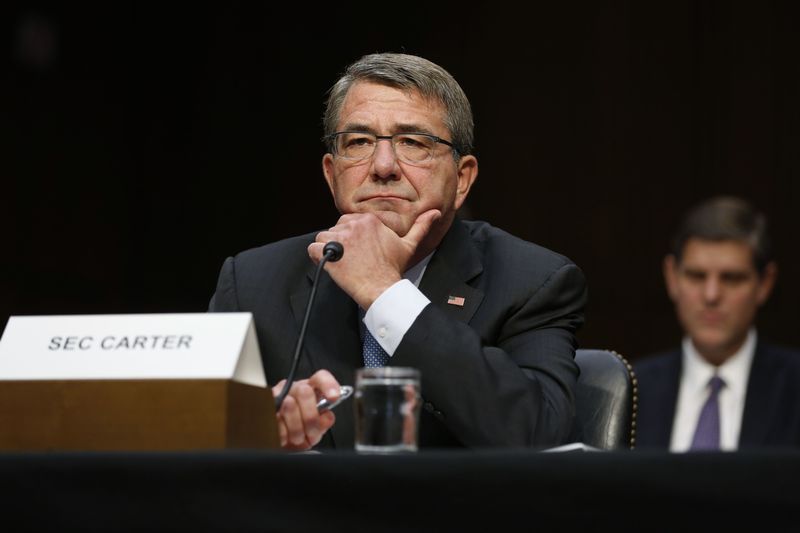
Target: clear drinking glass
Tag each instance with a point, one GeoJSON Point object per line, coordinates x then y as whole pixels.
{"type": "Point", "coordinates": [387, 404]}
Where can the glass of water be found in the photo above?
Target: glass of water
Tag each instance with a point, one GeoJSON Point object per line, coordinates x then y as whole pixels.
{"type": "Point", "coordinates": [387, 404]}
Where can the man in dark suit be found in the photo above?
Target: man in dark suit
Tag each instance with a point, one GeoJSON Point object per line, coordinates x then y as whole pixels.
{"type": "Point", "coordinates": [726, 388]}
{"type": "Point", "coordinates": [488, 319]}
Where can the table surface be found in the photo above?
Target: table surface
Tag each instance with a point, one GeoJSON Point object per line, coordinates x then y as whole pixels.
{"type": "Point", "coordinates": [251, 490]}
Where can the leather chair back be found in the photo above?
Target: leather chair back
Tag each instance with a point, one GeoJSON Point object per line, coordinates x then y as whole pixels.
{"type": "Point", "coordinates": [606, 399]}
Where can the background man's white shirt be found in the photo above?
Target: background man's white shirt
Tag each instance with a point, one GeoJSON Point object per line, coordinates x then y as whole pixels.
{"type": "Point", "coordinates": [694, 391]}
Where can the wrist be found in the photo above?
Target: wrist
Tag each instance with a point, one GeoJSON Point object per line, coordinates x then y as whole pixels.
{"type": "Point", "coordinates": [367, 294]}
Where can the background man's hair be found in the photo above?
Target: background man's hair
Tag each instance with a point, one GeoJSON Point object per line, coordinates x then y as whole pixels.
{"type": "Point", "coordinates": [724, 218]}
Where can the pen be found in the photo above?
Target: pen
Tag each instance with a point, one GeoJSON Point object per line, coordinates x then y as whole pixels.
{"type": "Point", "coordinates": [344, 392]}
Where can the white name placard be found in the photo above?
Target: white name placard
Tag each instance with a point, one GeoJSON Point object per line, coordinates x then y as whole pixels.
{"type": "Point", "coordinates": [132, 346]}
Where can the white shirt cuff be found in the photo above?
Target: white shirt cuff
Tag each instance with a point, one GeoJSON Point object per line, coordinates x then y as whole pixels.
{"type": "Point", "coordinates": [392, 313]}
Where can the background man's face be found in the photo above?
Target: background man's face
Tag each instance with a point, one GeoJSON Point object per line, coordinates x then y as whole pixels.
{"type": "Point", "coordinates": [717, 290]}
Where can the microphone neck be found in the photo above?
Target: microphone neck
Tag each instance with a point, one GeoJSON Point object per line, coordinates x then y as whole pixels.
{"type": "Point", "coordinates": [332, 253]}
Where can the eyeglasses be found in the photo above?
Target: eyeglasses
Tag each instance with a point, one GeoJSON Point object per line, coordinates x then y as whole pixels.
{"type": "Point", "coordinates": [413, 148]}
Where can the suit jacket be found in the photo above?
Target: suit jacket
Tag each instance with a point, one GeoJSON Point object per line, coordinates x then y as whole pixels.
{"type": "Point", "coordinates": [497, 371]}
{"type": "Point", "coordinates": [771, 416]}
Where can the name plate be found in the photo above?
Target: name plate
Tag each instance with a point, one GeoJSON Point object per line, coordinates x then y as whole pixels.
{"type": "Point", "coordinates": [132, 346]}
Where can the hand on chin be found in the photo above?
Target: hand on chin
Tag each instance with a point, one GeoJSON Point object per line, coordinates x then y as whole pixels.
{"type": "Point", "coordinates": [396, 221]}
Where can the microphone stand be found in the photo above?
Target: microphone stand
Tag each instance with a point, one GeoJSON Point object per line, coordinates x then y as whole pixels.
{"type": "Point", "coordinates": [332, 252]}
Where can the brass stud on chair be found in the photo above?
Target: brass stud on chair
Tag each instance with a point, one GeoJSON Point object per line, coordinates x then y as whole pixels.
{"type": "Point", "coordinates": [634, 397]}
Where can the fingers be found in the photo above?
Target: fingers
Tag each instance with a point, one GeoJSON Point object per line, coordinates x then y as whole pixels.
{"type": "Point", "coordinates": [317, 248]}
{"type": "Point", "coordinates": [315, 251]}
{"type": "Point", "coordinates": [323, 381]}
{"type": "Point", "coordinates": [422, 226]}
{"type": "Point", "coordinates": [276, 390]}
{"type": "Point", "coordinates": [301, 417]}
{"type": "Point", "coordinates": [300, 425]}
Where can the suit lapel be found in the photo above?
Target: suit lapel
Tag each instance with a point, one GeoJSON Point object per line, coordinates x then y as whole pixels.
{"type": "Point", "coordinates": [671, 382]}
{"type": "Point", "coordinates": [762, 401]}
{"type": "Point", "coordinates": [332, 342]}
{"type": "Point", "coordinates": [658, 396]}
{"type": "Point", "coordinates": [333, 339]}
{"type": "Point", "coordinates": [456, 261]}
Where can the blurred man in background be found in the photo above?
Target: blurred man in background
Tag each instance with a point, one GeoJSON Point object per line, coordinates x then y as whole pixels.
{"type": "Point", "coordinates": [725, 388]}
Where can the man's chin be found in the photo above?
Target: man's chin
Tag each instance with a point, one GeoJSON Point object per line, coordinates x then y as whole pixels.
{"type": "Point", "coordinates": [715, 344]}
{"type": "Point", "coordinates": [394, 221]}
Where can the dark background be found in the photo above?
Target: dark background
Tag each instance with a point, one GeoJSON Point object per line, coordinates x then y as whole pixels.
{"type": "Point", "coordinates": [142, 143]}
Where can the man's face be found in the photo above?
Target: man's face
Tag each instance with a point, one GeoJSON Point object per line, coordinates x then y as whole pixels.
{"type": "Point", "coordinates": [395, 191]}
{"type": "Point", "coordinates": [717, 290]}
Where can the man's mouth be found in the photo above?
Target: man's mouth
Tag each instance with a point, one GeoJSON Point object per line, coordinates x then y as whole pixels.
{"type": "Point", "coordinates": [383, 197]}
{"type": "Point", "coordinates": [711, 318]}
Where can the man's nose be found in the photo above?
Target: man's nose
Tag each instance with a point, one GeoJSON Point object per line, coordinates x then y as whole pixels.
{"type": "Point", "coordinates": [384, 161]}
{"type": "Point", "coordinates": [712, 290]}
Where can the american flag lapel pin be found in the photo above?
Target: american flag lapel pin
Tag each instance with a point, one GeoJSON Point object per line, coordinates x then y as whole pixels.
{"type": "Point", "coordinates": [456, 300]}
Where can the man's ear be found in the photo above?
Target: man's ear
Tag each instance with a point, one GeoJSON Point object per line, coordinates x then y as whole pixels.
{"type": "Point", "coordinates": [670, 269]}
{"type": "Point", "coordinates": [467, 174]}
{"type": "Point", "coordinates": [327, 170]}
{"type": "Point", "coordinates": [767, 282]}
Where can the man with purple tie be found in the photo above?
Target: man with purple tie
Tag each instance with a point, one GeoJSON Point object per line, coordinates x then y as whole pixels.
{"type": "Point", "coordinates": [726, 388]}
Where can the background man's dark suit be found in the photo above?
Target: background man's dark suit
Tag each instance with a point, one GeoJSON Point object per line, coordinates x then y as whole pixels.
{"type": "Point", "coordinates": [498, 357]}
{"type": "Point", "coordinates": [771, 414]}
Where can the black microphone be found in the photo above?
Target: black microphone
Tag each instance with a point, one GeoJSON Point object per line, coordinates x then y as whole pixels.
{"type": "Point", "coordinates": [332, 252]}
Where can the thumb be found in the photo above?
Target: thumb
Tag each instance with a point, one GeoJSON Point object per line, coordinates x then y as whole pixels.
{"type": "Point", "coordinates": [276, 389]}
{"type": "Point", "coordinates": [422, 226]}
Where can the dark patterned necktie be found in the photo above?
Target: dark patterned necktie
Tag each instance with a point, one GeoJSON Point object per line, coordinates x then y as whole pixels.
{"type": "Point", "coordinates": [706, 436]}
{"type": "Point", "coordinates": [374, 354]}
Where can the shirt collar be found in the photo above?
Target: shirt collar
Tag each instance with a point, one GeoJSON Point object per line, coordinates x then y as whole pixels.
{"type": "Point", "coordinates": [734, 371]}
{"type": "Point", "coordinates": [414, 274]}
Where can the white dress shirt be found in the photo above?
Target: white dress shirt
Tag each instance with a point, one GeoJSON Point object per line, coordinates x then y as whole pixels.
{"type": "Point", "coordinates": [392, 313]}
{"type": "Point", "coordinates": [694, 391]}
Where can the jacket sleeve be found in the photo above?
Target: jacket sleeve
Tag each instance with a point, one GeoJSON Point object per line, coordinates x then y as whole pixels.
{"type": "Point", "coordinates": [225, 297]}
{"type": "Point", "coordinates": [512, 384]}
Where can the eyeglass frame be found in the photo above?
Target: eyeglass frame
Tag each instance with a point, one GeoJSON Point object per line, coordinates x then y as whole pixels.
{"type": "Point", "coordinates": [332, 136]}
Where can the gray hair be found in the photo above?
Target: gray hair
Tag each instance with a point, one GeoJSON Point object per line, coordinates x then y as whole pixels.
{"type": "Point", "coordinates": [408, 73]}
{"type": "Point", "coordinates": [725, 218]}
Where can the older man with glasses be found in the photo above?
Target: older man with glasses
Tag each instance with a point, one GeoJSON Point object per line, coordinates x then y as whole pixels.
{"type": "Point", "coordinates": [489, 319]}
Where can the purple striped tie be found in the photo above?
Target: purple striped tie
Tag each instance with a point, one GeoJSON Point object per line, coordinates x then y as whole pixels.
{"type": "Point", "coordinates": [706, 436]}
